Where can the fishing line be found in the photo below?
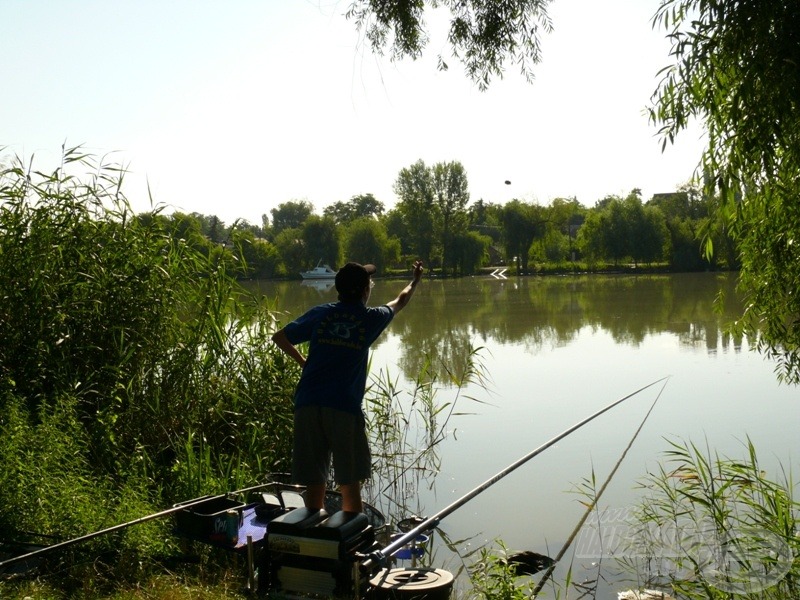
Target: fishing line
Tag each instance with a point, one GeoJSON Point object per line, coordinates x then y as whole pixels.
{"type": "Point", "coordinates": [596, 499]}
{"type": "Point", "coordinates": [379, 557]}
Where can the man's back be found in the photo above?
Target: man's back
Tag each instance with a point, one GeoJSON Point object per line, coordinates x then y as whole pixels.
{"type": "Point", "coordinates": [339, 336]}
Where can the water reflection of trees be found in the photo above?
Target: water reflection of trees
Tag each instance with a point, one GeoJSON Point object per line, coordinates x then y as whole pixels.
{"type": "Point", "coordinates": [537, 312]}
{"type": "Point", "coordinates": [449, 317]}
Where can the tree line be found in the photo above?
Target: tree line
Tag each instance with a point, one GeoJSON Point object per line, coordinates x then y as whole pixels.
{"type": "Point", "coordinates": [434, 220]}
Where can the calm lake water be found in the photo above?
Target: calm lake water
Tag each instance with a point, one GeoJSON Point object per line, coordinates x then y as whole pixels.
{"type": "Point", "coordinates": [555, 350]}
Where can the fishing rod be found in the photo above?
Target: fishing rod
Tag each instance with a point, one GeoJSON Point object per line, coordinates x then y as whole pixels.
{"type": "Point", "coordinates": [595, 500]}
{"type": "Point", "coordinates": [378, 558]}
{"type": "Point", "coordinates": [158, 515]}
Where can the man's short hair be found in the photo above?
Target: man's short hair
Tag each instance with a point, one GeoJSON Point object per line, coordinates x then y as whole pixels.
{"type": "Point", "coordinates": [351, 280]}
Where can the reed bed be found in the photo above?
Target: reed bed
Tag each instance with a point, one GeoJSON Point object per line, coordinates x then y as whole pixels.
{"type": "Point", "coordinates": [134, 372]}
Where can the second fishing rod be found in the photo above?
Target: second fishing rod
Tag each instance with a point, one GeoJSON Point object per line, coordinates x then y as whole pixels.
{"type": "Point", "coordinates": [377, 559]}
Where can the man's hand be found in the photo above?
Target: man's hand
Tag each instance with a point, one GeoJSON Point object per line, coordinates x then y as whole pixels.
{"type": "Point", "coordinates": [402, 299]}
{"type": "Point", "coordinates": [282, 342]}
{"type": "Point", "coordinates": [418, 270]}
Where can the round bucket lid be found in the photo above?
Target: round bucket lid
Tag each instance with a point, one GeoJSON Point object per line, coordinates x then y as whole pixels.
{"type": "Point", "coordinates": [408, 584]}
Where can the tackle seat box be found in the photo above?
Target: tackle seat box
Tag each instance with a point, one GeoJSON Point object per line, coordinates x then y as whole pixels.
{"type": "Point", "coordinates": [296, 522]}
{"type": "Point", "coordinates": [340, 526]}
{"type": "Point", "coordinates": [308, 554]}
{"type": "Point", "coordinates": [314, 533]}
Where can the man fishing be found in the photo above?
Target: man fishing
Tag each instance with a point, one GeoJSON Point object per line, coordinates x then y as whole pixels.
{"type": "Point", "coordinates": [328, 416]}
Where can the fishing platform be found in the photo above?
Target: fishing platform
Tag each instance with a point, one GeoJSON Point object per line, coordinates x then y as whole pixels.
{"type": "Point", "coordinates": [292, 551]}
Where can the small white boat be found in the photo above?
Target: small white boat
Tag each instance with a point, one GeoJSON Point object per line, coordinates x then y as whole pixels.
{"type": "Point", "coordinates": [319, 272]}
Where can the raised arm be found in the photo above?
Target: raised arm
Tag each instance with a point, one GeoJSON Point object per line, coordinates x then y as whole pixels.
{"type": "Point", "coordinates": [405, 296]}
{"type": "Point", "coordinates": [282, 342]}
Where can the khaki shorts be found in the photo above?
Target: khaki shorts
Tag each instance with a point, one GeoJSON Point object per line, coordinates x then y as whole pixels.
{"type": "Point", "coordinates": [321, 433]}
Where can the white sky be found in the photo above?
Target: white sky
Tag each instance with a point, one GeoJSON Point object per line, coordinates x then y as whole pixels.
{"type": "Point", "coordinates": [231, 108]}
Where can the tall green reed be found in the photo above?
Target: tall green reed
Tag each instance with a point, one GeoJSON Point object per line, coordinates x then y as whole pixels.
{"type": "Point", "coordinates": [134, 371]}
{"type": "Point", "coordinates": [407, 426]}
{"type": "Point", "coordinates": [715, 527]}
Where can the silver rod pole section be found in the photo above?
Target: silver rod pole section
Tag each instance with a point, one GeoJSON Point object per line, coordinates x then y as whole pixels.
{"type": "Point", "coordinates": [379, 557]}
{"type": "Point", "coordinates": [95, 534]}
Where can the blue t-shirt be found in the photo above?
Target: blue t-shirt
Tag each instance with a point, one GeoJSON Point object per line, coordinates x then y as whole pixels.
{"type": "Point", "coordinates": [339, 336]}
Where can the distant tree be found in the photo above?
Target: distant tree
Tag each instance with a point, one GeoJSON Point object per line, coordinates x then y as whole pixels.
{"type": "Point", "coordinates": [188, 230]}
{"type": "Point", "coordinates": [623, 228]}
{"type": "Point", "coordinates": [521, 224]}
{"type": "Point", "coordinates": [644, 230]}
{"type": "Point", "coordinates": [366, 242]}
{"type": "Point", "coordinates": [469, 251]}
{"type": "Point", "coordinates": [290, 215]}
{"type": "Point", "coordinates": [565, 215]}
{"type": "Point", "coordinates": [364, 205]}
{"type": "Point", "coordinates": [340, 212]}
{"type": "Point", "coordinates": [650, 241]}
{"type": "Point", "coordinates": [208, 225]}
{"type": "Point", "coordinates": [216, 230]}
{"type": "Point", "coordinates": [320, 241]}
{"type": "Point", "coordinates": [687, 202]}
{"type": "Point", "coordinates": [553, 247]}
{"type": "Point", "coordinates": [616, 231]}
{"type": "Point", "coordinates": [421, 215]}
{"type": "Point", "coordinates": [259, 257]}
{"type": "Point", "coordinates": [396, 228]}
{"type": "Point", "coordinates": [186, 227]}
{"type": "Point", "coordinates": [686, 216]}
{"type": "Point", "coordinates": [257, 231]}
{"type": "Point", "coordinates": [291, 250]}
{"type": "Point", "coordinates": [451, 194]}
{"type": "Point", "coordinates": [606, 232]}
{"type": "Point", "coordinates": [485, 218]}
{"type": "Point", "coordinates": [686, 254]}
{"type": "Point", "coordinates": [484, 34]}
{"type": "Point", "coordinates": [392, 252]}
{"type": "Point", "coordinates": [590, 240]}
{"type": "Point", "coordinates": [604, 202]}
